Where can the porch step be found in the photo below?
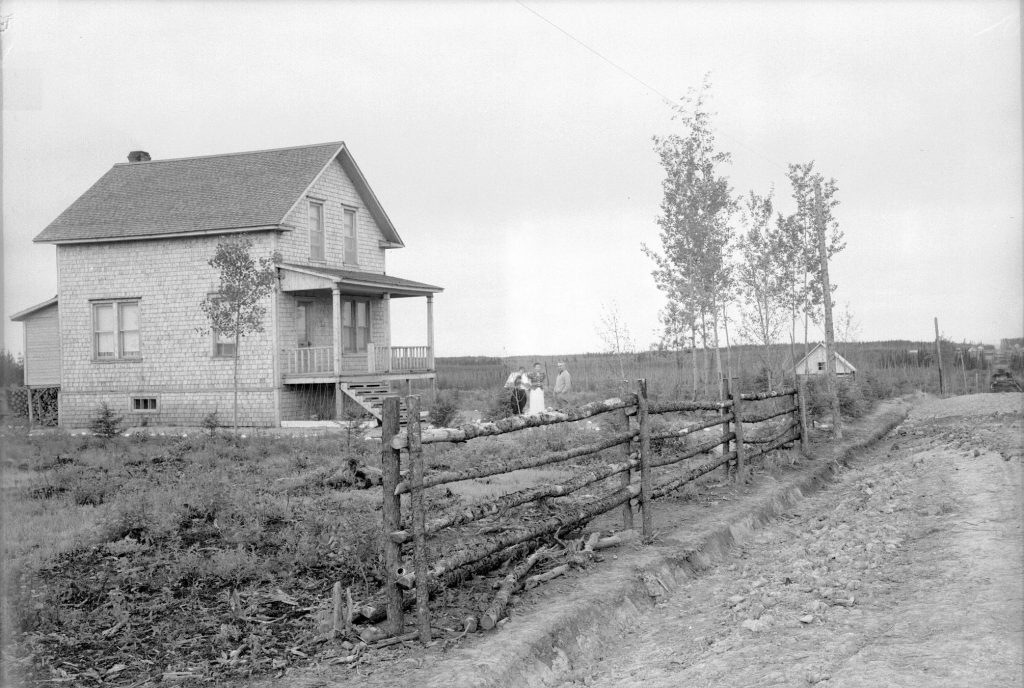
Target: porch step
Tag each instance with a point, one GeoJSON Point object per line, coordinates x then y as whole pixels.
{"type": "Point", "coordinates": [370, 395]}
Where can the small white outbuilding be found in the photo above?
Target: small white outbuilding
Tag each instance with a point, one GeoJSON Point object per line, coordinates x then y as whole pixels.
{"type": "Point", "coordinates": [814, 364]}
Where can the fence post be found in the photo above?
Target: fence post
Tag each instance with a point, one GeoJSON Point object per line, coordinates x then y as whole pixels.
{"type": "Point", "coordinates": [419, 518]}
{"type": "Point", "coordinates": [627, 476]}
{"type": "Point", "coordinates": [725, 426]}
{"type": "Point", "coordinates": [390, 460]}
{"type": "Point", "coordinates": [738, 424]}
{"type": "Point", "coordinates": [801, 395]}
{"type": "Point", "coordinates": [645, 458]}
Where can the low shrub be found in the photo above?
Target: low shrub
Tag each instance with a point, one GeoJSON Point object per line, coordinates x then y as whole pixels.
{"type": "Point", "coordinates": [106, 423]}
{"type": "Point", "coordinates": [445, 409]}
{"type": "Point", "coordinates": [500, 406]}
{"type": "Point", "coordinates": [211, 422]}
{"type": "Point", "coordinates": [852, 403]}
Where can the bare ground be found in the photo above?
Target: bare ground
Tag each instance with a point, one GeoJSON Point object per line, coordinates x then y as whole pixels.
{"type": "Point", "coordinates": [906, 571]}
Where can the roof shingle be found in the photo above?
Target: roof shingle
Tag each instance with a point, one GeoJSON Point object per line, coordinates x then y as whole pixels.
{"type": "Point", "coordinates": [214, 193]}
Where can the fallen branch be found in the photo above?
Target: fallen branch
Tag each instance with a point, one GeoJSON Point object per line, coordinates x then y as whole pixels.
{"type": "Point", "coordinates": [576, 516]}
{"type": "Point", "coordinates": [534, 581]}
{"type": "Point", "coordinates": [621, 538]}
{"type": "Point", "coordinates": [394, 640]}
{"type": "Point", "coordinates": [493, 613]}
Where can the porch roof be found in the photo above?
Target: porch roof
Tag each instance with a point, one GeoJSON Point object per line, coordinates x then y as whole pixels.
{"type": "Point", "coordinates": [305, 277]}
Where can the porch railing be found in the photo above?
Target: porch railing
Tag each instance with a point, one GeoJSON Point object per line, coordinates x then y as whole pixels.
{"type": "Point", "coordinates": [405, 358]}
{"type": "Point", "coordinates": [379, 359]}
{"type": "Point", "coordinates": [313, 359]}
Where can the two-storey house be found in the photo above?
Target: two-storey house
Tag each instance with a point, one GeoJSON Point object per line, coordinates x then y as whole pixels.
{"type": "Point", "coordinates": [132, 260]}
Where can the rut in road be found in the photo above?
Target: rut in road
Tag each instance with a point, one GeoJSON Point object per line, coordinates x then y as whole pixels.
{"type": "Point", "coordinates": [906, 571]}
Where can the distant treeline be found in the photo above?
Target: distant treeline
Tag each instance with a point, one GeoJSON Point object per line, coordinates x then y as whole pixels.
{"type": "Point", "coordinates": [672, 371]}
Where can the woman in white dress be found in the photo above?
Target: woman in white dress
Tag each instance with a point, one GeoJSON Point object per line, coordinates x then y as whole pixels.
{"type": "Point", "coordinates": [537, 379]}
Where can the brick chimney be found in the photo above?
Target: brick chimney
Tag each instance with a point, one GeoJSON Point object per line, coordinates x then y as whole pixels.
{"type": "Point", "coordinates": [139, 156]}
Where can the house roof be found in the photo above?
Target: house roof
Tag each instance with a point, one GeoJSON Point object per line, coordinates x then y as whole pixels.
{"type": "Point", "coordinates": [24, 315]}
{"type": "Point", "coordinates": [366, 282]}
{"type": "Point", "coordinates": [233, 192]}
{"type": "Point", "coordinates": [815, 348]}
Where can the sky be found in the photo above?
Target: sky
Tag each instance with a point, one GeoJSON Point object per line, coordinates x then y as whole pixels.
{"type": "Point", "coordinates": [511, 143]}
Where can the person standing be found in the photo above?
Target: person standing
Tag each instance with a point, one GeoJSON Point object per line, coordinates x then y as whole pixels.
{"type": "Point", "coordinates": [563, 383]}
{"type": "Point", "coordinates": [537, 380]}
{"type": "Point", "coordinates": [518, 382]}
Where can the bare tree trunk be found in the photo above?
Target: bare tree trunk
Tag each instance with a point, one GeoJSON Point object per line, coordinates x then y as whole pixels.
{"type": "Point", "coordinates": [693, 355]}
{"type": "Point", "coordinates": [718, 352]}
{"type": "Point", "coordinates": [728, 349]}
{"type": "Point", "coordinates": [235, 385]}
{"type": "Point", "coordinates": [706, 363]}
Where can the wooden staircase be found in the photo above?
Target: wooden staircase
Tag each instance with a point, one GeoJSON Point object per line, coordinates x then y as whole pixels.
{"type": "Point", "coordinates": [370, 396]}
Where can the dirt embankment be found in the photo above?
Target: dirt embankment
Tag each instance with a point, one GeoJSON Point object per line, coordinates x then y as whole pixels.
{"type": "Point", "coordinates": [906, 571]}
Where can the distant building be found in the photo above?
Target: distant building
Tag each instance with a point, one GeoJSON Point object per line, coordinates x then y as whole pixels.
{"type": "Point", "coordinates": [814, 364]}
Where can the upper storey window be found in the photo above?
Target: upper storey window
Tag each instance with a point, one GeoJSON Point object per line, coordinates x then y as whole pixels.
{"type": "Point", "coordinates": [349, 230]}
{"type": "Point", "coordinates": [316, 231]}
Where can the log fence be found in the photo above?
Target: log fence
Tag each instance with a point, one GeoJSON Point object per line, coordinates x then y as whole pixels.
{"type": "Point", "coordinates": [632, 432]}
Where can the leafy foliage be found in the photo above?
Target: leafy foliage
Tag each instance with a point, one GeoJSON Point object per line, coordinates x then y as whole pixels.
{"type": "Point", "coordinates": [761, 278]}
{"type": "Point", "coordinates": [692, 268]}
{"type": "Point", "coordinates": [12, 370]}
{"type": "Point", "coordinates": [238, 307]}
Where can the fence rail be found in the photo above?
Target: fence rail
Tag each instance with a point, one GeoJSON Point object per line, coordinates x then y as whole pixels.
{"type": "Point", "coordinates": [631, 420]}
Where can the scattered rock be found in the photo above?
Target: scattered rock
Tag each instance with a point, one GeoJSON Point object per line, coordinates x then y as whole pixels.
{"type": "Point", "coordinates": [807, 618]}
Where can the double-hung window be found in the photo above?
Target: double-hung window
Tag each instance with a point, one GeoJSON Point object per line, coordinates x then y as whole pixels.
{"type": "Point", "coordinates": [317, 238]}
{"type": "Point", "coordinates": [115, 329]}
{"type": "Point", "coordinates": [224, 344]}
{"type": "Point", "coordinates": [349, 232]}
{"type": "Point", "coordinates": [355, 325]}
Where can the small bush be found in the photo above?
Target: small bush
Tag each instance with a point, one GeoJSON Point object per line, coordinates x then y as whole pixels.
{"type": "Point", "coordinates": [211, 421]}
{"type": "Point", "coordinates": [500, 406]}
{"type": "Point", "coordinates": [445, 409]}
{"type": "Point", "coordinates": [106, 423]}
{"type": "Point", "coordinates": [852, 403]}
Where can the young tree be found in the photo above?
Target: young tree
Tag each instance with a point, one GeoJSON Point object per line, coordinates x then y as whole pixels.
{"type": "Point", "coordinates": [692, 267]}
{"type": "Point", "coordinates": [616, 336]}
{"type": "Point", "coordinates": [802, 244]}
{"type": "Point", "coordinates": [847, 328]}
{"type": "Point", "coordinates": [761, 277]}
{"type": "Point", "coordinates": [237, 309]}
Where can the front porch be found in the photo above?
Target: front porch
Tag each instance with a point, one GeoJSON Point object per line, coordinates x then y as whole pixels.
{"type": "Point", "coordinates": [334, 332]}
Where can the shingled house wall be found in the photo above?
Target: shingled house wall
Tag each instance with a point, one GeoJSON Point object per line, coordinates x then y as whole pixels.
{"type": "Point", "coordinates": [169, 277]}
{"type": "Point", "coordinates": [337, 191]}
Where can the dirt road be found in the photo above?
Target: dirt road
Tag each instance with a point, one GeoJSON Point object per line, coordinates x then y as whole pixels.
{"type": "Point", "coordinates": [907, 571]}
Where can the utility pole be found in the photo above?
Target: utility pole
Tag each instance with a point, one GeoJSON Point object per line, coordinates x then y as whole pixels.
{"type": "Point", "coordinates": [830, 353]}
{"type": "Point", "coordinates": [938, 357]}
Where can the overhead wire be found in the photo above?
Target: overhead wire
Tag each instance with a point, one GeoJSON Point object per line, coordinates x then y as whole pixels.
{"type": "Point", "coordinates": [665, 99]}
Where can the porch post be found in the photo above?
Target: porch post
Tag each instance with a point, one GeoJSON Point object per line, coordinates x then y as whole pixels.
{"type": "Point", "coordinates": [430, 331]}
{"type": "Point", "coordinates": [336, 339]}
{"type": "Point", "coordinates": [387, 341]}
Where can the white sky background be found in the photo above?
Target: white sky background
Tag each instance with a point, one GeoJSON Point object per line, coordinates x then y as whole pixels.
{"type": "Point", "coordinates": [517, 164]}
